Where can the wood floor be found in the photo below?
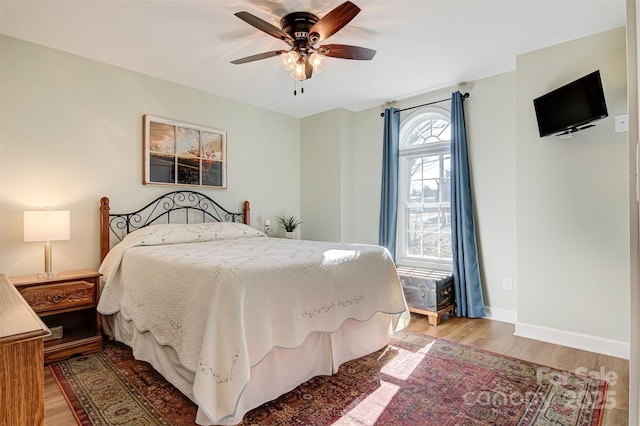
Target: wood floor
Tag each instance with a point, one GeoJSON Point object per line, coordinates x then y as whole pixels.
{"type": "Point", "coordinates": [486, 334]}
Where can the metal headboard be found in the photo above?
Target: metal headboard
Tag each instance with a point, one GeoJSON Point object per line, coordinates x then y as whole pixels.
{"type": "Point", "coordinates": [178, 206]}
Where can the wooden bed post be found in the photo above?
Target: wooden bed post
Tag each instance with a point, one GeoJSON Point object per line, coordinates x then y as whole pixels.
{"type": "Point", "coordinates": [247, 213]}
{"type": "Point", "coordinates": [104, 227]}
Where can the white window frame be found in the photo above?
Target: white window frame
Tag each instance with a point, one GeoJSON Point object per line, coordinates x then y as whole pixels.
{"type": "Point", "coordinates": [433, 148]}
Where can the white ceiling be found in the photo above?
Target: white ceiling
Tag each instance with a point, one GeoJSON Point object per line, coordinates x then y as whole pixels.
{"type": "Point", "coordinates": [421, 45]}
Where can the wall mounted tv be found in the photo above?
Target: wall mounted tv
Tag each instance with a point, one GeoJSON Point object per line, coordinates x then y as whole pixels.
{"type": "Point", "coordinates": [571, 107]}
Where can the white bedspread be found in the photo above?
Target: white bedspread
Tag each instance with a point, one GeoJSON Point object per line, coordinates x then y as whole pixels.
{"type": "Point", "coordinates": [224, 295]}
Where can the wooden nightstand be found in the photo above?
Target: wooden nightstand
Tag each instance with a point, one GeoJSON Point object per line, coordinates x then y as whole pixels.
{"type": "Point", "coordinates": [67, 305]}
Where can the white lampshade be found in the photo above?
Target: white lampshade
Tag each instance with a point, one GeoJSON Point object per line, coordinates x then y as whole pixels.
{"type": "Point", "coordinates": [289, 59]}
{"type": "Point", "coordinates": [317, 61]}
{"type": "Point", "coordinates": [299, 71]}
{"type": "Point", "coordinates": [47, 225]}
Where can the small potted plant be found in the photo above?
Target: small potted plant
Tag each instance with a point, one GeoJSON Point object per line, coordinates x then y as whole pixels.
{"type": "Point", "coordinates": [289, 224]}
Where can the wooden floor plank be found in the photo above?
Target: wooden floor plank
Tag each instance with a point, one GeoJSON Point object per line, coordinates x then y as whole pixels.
{"type": "Point", "coordinates": [498, 337]}
{"type": "Point", "coordinates": [56, 409]}
{"type": "Point", "coordinates": [490, 335]}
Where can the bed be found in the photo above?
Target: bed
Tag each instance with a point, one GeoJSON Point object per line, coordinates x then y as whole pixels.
{"type": "Point", "coordinates": [234, 318]}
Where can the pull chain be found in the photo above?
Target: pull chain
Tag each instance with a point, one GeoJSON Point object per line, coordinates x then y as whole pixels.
{"type": "Point", "coordinates": [295, 86]}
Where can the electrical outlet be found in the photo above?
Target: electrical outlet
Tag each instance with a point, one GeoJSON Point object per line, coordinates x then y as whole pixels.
{"type": "Point", "coordinates": [622, 124]}
{"type": "Point", "coordinates": [507, 283]}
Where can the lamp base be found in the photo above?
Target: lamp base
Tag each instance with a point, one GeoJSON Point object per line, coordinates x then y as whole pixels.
{"type": "Point", "coordinates": [46, 275]}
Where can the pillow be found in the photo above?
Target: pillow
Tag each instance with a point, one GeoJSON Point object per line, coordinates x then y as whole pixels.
{"type": "Point", "coordinates": [175, 233]}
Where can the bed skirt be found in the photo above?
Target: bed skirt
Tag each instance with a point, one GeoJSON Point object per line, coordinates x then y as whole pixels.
{"type": "Point", "coordinates": [280, 371]}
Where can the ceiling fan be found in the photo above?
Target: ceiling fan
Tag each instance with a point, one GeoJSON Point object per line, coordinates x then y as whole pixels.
{"type": "Point", "coordinates": [302, 31]}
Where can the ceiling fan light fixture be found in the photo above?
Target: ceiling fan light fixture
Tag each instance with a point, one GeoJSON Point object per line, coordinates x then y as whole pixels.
{"type": "Point", "coordinates": [302, 31]}
{"type": "Point", "coordinates": [317, 61]}
{"type": "Point", "coordinates": [299, 71]}
{"type": "Point", "coordinates": [288, 59]}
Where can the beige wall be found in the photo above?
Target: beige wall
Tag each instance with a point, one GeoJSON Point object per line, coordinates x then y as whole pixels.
{"type": "Point", "coordinates": [328, 172]}
{"type": "Point", "coordinates": [633, 36]}
{"type": "Point", "coordinates": [572, 199]}
{"type": "Point", "coordinates": [71, 132]}
{"type": "Point", "coordinates": [551, 214]}
{"type": "Point", "coordinates": [491, 124]}
{"type": "Point", "coordinates": [492, 158]}
{"type": "Point", "coordinates": [321, 176]}
{"type": "Point", "coordinates": [347, 174]}
{"type": "Point", "coordinates": [367, 166]}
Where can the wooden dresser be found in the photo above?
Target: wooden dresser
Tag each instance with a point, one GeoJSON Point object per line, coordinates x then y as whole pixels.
{"type": "Point", "coordinates": [21, 359]}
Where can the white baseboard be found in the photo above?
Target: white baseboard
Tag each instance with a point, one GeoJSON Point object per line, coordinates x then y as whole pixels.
{"type": "Point", "coordinates": [571, 339]}
{"type": "Point", "coordinates": [502, 315]}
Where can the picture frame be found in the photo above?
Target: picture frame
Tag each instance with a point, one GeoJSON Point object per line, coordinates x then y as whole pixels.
{"type": "Point", "coordinates": [184, 154]}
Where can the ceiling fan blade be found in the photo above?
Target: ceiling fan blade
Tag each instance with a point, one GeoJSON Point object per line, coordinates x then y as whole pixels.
{"type": "Point", "coordinates": [344, 51]}
{"type": "Point", "coordinates": [333, 21]}
{"type": "Point", "coordinates": [264, 26]}
{"type": "Point", "coordinates": [257, 57]}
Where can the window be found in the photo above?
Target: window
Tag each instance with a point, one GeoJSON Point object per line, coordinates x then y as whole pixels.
{"type": "Point", "coordinates": [424, 220]}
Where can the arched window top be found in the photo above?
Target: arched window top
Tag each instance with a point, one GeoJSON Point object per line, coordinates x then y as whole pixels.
{"type": "Point", "coordinates": [424, 127]}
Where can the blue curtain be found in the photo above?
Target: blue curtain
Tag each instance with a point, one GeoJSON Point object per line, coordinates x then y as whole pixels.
{"type": "Point", "coordinates": [466, 269]}
{"type": "Point", "coordinates": [389, 192]}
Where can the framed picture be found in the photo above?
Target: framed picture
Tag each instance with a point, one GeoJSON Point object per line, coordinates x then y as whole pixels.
{"type": "Point", "coordinates": [180, 154]}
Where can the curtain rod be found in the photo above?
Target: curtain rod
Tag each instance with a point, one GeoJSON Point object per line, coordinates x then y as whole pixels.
{"type": "Point", "coordinates": [465, 96]}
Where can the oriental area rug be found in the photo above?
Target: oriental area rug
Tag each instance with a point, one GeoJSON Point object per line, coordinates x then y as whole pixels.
{"type": "Point", "coordinates": [415, 380]}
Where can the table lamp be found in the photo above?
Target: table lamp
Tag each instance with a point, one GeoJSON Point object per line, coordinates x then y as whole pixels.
{"type": "Point", "coordinates": [47, 226]}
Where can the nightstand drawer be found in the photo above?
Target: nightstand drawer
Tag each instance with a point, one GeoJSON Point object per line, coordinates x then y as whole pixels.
{"type": "Point", "coordinates": [60, 296]}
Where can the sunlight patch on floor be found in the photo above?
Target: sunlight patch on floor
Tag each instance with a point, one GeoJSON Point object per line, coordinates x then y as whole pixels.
{"type": "Point", "coordinates": [400, 367]}
{"type": "Point", "coordinates": [405, 362]}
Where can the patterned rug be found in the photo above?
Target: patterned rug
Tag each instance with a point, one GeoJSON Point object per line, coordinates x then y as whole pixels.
{"type": "Point", "coordinates": [413, 381]}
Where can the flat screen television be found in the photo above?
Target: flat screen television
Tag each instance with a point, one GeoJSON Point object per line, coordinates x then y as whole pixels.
{"type": "Point", "coordinates": [571, 107]}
